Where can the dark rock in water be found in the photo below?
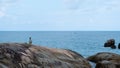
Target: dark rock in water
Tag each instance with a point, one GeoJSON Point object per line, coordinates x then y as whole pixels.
{"type": "Point", "coordinates": [105, 60]}
{"type": "Point", "coordinates": [110, 43]}
{"type": "Point", "coordinates": [119, 46]}
{"type": "Point", "coordinates": [19, 55]}
{"type": "Point", "coordinates": [107, 45]}
{"type": "Point", "coordinates": [113, 47]}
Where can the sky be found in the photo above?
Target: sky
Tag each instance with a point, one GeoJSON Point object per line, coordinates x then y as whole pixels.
{"type": "Point", "coordinates": [59, 15]}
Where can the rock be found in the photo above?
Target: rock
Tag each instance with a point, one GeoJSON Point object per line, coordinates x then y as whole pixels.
{"type": "Point", "coordinates": [110, 43]}
{"type": "Point", "coordinates": [106, 44]}
{"type": "Point", "coordinates": [113, 47]}
{"type": "Point", "coordinates": [20, 55]}
{"type": "Point", "coordinates": [103, 56]}
{"type": "Point", "coordinates": [105, 64]}
{"type": "Point", "coordinates": [105, 60]}
{"type": "Point", "coordinates": [119, 46]}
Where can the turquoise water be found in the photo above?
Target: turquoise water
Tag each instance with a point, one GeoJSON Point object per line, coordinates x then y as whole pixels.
{"type": "Point", "coordinates": [86, 43]}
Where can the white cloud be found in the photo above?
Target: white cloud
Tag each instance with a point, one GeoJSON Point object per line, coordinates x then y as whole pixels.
{"type": "Point", "coordinates": [72, 4]}
{"type": "Point", "coordinates": [4, 6]}
{"type": "Point", "coordinates": [71, 1]}
{"type": "Point", "coordinates": [2, 14]}
{"type": "Point", "coordinates": [92, 5]}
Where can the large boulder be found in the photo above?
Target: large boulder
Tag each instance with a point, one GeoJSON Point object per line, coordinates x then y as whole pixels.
{"type": "Point", "coordinates": [20, 55]}
{"type": "Point", "coordinates": [105, 64]}
{"type": "Point", "coordinates": [103, 56]}
{"type": "Point", "coordinates": [108, 64]}
{"type": "Point", "coordinates": [110, 43]}
{"type": "Point", "coordinates": [105, 60]}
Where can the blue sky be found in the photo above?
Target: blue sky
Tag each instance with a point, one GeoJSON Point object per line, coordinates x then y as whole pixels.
{"type": "Point", "coordinates": [59, 15]}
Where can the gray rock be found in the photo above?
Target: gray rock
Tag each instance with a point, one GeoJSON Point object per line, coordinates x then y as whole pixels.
{"type": "Point", "coordinates": [105, 64]}
{"type": "Point", "coordinates": [110, 43]}
{"type": "Point", "coordinates": [105, 60]}
{"type": "Point", "coordinates": [20, 55]}
{"type": "Point", "coordinates": [103, 56]}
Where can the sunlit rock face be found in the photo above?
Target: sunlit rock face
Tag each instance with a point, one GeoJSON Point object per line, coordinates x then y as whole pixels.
{"type": "Point", "coordinates": [23, 55]}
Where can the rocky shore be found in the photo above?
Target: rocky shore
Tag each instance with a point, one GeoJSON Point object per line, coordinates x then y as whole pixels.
{"type": "Point", "coordinates": [23, 55]}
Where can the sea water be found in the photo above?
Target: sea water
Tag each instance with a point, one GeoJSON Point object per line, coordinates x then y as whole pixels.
{"type": "Point", "coordinates": [85, 43]}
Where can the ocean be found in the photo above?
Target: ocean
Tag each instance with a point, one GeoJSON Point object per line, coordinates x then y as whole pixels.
{"type": "Point", "coordinates": [86, 43]}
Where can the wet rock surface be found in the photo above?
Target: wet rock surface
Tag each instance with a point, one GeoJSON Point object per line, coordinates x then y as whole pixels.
{"type": "Point", "coordinates": [21, 55]}
{"type": "Point", "coordinates": [105, 60]}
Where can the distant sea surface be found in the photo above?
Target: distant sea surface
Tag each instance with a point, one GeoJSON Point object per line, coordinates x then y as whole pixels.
{"type": "Point", "coordinates": [86, 43]}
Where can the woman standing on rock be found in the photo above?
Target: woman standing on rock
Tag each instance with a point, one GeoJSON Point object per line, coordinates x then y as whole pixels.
{"type": "Point", "coordinates": [30, 40]}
